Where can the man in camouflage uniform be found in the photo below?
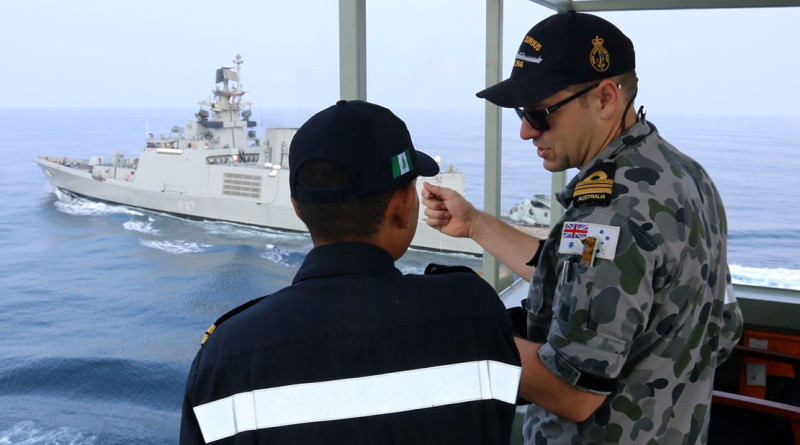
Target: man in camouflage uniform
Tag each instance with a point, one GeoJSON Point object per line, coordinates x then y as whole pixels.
{"type": "Point", "coordinates": [630, 308]}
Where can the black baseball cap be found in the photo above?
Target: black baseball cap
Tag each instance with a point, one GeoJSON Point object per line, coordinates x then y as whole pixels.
{"type": "Point", "coordinates": [562, 50]}
{"type": "Point", "coordinates": [368, 141]}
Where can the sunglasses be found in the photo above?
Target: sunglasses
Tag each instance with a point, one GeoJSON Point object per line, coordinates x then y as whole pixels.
{"type": "Point", "coordinates": [538, 118]}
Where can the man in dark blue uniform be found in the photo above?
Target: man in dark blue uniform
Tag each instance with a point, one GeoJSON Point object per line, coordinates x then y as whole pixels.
{"type": "Point", "coordinates": [354, 351]}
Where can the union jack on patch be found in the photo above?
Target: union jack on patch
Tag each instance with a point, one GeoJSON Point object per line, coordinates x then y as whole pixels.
{"type": "Point", "coordinates": [575, 230]}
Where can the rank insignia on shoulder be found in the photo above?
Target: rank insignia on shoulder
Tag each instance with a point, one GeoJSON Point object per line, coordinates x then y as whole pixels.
{"type": "Point", "coordinates": [208, 334]}
{"type": "Point", "coordinates": [228, 315]}
{"type": "Point", "coordinates": [589, 240]}
{"type": "Point", "coordinates": [596, 188]}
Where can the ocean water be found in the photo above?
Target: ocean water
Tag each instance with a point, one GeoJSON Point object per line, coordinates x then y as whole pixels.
{"type": "Point", "coordinates": [103, 306]}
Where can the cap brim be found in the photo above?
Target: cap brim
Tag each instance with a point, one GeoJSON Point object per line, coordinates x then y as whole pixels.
{"type": "Point", "coordinates": [513, 93]}
{"type": "Point", "coordinates": [426, 166]}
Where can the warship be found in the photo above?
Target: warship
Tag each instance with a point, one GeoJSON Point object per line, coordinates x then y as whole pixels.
{"type": "Point", "coordinates": [216, 168]}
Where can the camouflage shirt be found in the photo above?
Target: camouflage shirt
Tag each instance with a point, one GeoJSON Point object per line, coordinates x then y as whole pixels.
{"type": "Point", "coordinates": [631, 297]}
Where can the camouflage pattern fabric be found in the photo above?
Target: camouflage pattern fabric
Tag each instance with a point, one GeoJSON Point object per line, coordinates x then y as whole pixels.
{"type": "Point", "coordinates": [649, 326]}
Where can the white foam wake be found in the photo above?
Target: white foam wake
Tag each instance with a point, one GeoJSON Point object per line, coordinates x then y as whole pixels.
{"type": "Point", "coordinates": [141, 226]}
{"type": "Point", "coordinates": [782, 278]}
{"type": "Point", "coordinates": [237, 231]}
{"type": "Point", "coordinates": [83, 207]}
{"type": "Point", "coordinates": [178, 247]}
{"type": "Point", "coordinates": [27, 432]}
{"type": "Point", "coordinates": [277, 255]}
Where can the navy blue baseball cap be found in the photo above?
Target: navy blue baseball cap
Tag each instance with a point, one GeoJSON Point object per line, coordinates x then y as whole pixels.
{"type": "Point", "coordinates": [368, 141]}
{"type": "Point", "coordinates": [564, 49]}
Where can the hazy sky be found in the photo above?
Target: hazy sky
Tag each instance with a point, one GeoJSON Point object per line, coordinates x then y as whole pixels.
{"type": "Point", "coordinates": [420, 53]}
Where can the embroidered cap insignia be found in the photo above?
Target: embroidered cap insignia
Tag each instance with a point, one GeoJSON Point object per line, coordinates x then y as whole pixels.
{"type": "Point", "coordinates": [599, 57]}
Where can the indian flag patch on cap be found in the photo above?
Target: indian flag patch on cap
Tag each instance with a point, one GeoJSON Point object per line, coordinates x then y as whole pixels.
{"type": "Point", "coordinates": [401, 164]}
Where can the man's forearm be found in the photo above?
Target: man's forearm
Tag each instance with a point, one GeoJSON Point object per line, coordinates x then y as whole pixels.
{"type": "Point", "coordinates": [510, 246]}
{"type": "Point", "coordinates": [540, 386]}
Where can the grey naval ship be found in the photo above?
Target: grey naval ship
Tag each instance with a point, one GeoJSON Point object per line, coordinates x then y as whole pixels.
{"type": "Point", "coordinates": [217, 168]}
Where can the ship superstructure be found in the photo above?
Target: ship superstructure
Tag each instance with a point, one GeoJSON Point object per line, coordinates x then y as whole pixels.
{"type": "Point", "coordinates": [215, 168]}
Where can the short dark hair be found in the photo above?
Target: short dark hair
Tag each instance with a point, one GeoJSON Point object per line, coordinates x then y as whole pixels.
{"type": "Point", "coordinates": [629, 82]}
{"type": "Point", "coordinates": [337, 221]}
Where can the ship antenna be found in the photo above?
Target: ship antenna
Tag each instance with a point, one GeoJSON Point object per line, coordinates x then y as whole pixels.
{"type": "Point", "coordinates": [239, 61]}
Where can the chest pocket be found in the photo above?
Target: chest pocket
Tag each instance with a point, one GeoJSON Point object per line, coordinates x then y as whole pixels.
{"type": "Point", "coordinates": [572, 302]}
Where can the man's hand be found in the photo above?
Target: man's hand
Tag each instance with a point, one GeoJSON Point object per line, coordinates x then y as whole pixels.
{"type": "Point", "coordinates": [447, 211]}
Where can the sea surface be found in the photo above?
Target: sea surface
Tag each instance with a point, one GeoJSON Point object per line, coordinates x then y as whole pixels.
{"type": "Point", "coordinates": [102, 307]}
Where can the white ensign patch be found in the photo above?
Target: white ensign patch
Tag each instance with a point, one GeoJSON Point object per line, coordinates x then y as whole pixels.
{"type": "Point", "coordinates": [605, 236]}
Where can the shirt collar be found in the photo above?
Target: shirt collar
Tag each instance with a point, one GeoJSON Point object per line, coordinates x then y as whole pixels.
{"type": "Point", "coordinates": [631, 136]}
{"type": "Point", "coordinates": [345, 258]}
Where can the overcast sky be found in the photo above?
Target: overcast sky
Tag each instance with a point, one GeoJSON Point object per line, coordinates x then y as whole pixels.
{"type": "Point", "coordinates": [420, 53]}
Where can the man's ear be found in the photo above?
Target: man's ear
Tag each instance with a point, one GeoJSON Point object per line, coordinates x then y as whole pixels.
{"type": "Point", "coordinates": [400, 206]}
{"type": "Point", "coordinates": [294, 206]}
{"type": "Point", "coordinates": [610, 99]}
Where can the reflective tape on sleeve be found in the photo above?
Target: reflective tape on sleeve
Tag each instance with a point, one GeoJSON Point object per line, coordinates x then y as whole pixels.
{"type": "Point", "coordinates": [358, 397]}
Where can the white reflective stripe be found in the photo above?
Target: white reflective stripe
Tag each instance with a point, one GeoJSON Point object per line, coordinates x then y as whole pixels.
{"type": "Point", "coordinates": [358, 397]}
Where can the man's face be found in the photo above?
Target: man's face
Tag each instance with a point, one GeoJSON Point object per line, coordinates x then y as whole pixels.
{"type": "Point", "coordinates": [567, 143]}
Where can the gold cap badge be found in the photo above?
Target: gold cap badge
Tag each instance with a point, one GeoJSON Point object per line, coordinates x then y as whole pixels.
{"type": "Point", "coordinates": [599, 57]}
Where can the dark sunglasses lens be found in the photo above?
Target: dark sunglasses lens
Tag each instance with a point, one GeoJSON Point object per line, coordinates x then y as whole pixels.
{"type": "Point", "coordinates": [536, 118]}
